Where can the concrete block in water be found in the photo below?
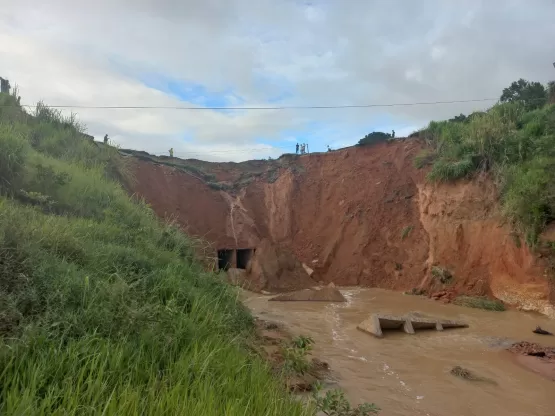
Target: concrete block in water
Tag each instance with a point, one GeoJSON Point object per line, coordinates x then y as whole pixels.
{"type": "Point", "coordinates": [377, 323]}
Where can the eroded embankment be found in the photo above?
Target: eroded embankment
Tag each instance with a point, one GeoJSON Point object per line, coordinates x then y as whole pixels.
{"type": "Point", "coordinates": [360, 216]}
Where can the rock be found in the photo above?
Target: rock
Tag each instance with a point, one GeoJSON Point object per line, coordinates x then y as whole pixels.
{"type": "Point", "coordinates": [327, 294]}
{"type": "Point", "coordinates": [320, 365]}
{"type": "Point", "coordinates": [301, 383]}
{"type": "Point", "coordinates": [466, 374]}
{"type": "Point", "coordinates": [331, 285]}
{"type": "Point", "coordinates": [541, 331]}
{"type": "Point", "coordinates": [537, 354]}
{"type": "Point", "coordinates": [275, 268]}
{"type": "Point", "coordinates": [308, 270]}
{"type": "Point", "coordinates": [270, 325]}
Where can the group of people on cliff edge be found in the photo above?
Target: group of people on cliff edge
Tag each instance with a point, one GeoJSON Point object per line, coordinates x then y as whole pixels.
{"type": "Point", "coordinates": [303, 148]}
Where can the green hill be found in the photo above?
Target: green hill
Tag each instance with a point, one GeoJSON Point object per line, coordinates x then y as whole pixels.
{"type": "Point", "coordinates": [103, 308]}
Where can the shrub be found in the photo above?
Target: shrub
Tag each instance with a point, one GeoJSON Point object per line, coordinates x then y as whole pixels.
{"type": "Point", "coordinates": [334, 403]}
{"type": "Point", "coordinates": [424, 158]}
{"type": "Point", "coordinates": [479, 302]}
{"type": "Point", "coordinates": [515, 142]}
{"type": "Point", "coordinates": [374, 137]}
{"type": "Point", "coordinates": [13, 154]}
{"type": "Point", "coordinates": [441, 274]}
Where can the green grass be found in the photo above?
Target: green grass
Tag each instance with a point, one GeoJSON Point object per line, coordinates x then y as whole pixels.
{"type": "Point", "coordinates": [479, 302]}
{"type": "Point", "coordinates": [514, 146]}
{"type": "Point", "coordinates": [406, 231]}
{"type": "Point", "coordinates": [103, 308]}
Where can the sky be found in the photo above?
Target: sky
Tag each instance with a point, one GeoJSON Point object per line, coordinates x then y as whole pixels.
{"type": "Point", "coordinates": [267, 53]}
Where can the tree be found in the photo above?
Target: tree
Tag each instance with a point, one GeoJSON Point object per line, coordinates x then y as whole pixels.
{"type": "Point", "coordinates": [532, 94]}
{"type": "Point", "coordinates": [458, 119]}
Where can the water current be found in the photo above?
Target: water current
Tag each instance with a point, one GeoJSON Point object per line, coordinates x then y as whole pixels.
{"type": "Point", "coordinates": [408, 375]}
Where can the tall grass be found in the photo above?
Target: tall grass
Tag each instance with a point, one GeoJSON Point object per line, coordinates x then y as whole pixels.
{"type": "Point", "coordinates": [103, 308]}
{"type": "Point", "coordinates": [515, 145]}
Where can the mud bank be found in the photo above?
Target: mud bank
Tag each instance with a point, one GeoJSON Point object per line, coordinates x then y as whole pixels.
{"type": "Point", "coordinates": [359, 216]}
{"type": "Point", "coordinates": [535, 357]}
{"type": "Point", "coordinates": [272, 344]}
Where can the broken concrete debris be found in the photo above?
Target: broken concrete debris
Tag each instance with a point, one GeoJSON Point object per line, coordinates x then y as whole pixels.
{"type": "Point", "coordinates": [377, 323]}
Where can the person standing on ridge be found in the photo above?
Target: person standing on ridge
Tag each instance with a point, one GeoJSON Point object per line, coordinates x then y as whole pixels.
{"type": "Point", "coordinates": [297, 149]}
{"type": "Point", "coordinates": [392, 134]}
{"type": "Point", "coordinates": [329, 150]}
{"type": "Point", "coordinates": [105, 139]}
{"type": "Point", "coordinates": [171, 152]}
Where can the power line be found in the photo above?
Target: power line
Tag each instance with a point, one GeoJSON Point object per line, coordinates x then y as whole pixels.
{"type": "Point", "coordinates": [201, 153]}
{"type": "Point", "coordinates": [300, 107]}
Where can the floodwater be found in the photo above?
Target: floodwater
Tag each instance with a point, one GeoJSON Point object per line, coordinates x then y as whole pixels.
{"type": "Point", "coordinates": [408, 375]}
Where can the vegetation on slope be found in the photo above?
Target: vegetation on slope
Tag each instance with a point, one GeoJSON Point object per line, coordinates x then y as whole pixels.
{"type": "Point", "coordinates": [103, 309]}
{"type": "Point", "coordinates": [479, 302]}
{"type": "Point", "coordinates": [515, 141]}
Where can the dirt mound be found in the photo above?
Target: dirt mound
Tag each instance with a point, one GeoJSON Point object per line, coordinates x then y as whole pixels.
{"type": "Point", "coordinates": [326, 294]}
{"type": "Point", "coordinates": [276, 269]}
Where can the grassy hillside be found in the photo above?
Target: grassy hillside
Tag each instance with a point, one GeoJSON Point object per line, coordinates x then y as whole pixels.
{"type": "Point", "coordinates": [103, 309]}
{"type": "Point", "coordinates": [515, 142]}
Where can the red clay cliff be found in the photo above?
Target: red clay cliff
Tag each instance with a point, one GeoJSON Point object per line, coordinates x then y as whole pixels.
{"type": "Point", "coordinates": [358, 216]}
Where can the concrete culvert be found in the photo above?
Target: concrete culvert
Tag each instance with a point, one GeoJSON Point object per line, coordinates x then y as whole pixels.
{"type": "Point", "coordinates": [243, 257]}
{"type": "Point", "coordinates": [225, 259]}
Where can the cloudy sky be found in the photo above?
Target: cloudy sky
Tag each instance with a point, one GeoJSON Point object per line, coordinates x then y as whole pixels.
{"type": "Point", "coordinates": [245, 53]}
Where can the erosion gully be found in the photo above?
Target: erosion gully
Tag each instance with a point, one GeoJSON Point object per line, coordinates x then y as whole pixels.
{"type": "Point", "coordinates": [408, 375]}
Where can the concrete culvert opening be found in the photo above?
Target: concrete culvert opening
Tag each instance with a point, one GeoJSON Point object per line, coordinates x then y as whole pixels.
{"type": "Point", "coordinates": [243, 257]}
{"type": "Point", "coordinates": [225, 259]}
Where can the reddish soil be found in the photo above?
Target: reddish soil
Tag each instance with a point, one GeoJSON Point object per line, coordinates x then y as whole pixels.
{"type": "Point", "coordinates": [276, 269]}
{"type": "Point", "coordinates": [361, 216]}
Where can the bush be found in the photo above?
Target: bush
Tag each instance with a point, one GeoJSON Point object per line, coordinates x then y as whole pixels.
{"type": "Point", "coordinates": [374, 137]}
{"type": "Point", "coordinates": [479, 302]}
{"type": "Point", "coordinates": [515, 142]}
{"type": "Point", "coordinates": [13, 153]}
{"type": "Point", "coordinates": [441, 274]}
{"type": "Point", "coordinates": [424, 158]}
{"type": "Point", "coordinates": [334, 403]}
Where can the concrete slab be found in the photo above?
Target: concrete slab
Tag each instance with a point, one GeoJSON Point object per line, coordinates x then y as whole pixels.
{"type": "Point", "coordinates": [377, 323]}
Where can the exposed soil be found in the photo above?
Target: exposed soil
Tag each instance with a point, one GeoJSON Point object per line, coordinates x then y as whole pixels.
{"type": "Point", "coordinates": [535, 357]}
{"type": "Point", "coordinates": [276, 269]}
{"type": "Point", "coordinates": [360, 216]}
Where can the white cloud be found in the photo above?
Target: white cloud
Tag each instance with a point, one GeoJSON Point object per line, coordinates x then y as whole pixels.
{"type": "Point", "coordinates": [322, 53]}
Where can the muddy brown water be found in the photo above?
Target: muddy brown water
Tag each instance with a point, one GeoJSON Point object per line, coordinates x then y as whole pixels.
{"type": "Point", "coordinates": [408, 375]}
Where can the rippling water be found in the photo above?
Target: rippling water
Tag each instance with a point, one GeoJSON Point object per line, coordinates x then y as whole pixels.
{"type": "Point", "coordinates": [409, 375]}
